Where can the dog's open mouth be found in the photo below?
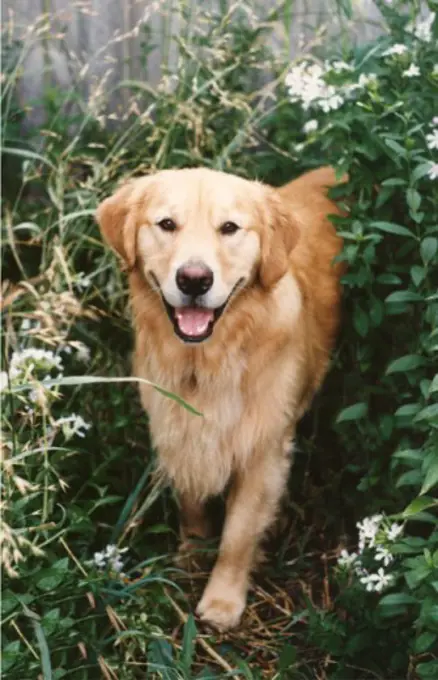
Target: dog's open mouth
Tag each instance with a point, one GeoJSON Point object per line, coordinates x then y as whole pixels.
{"type": "Point", "coordinates": [193, 324]}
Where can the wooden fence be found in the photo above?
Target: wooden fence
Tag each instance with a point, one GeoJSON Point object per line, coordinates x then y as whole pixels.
{"type": "Point", "coordinates": [91, 45]}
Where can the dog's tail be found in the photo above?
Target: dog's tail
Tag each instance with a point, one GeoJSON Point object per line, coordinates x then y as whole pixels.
{"type": "Point", "coordinates": [320, 179]}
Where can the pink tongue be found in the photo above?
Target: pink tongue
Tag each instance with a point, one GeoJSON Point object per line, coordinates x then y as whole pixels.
{"type": "Point", "coordinates": [193, 321]}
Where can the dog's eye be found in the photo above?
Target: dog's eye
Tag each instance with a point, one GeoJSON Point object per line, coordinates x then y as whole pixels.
{"type": "Point", "coordinates": [167, 224]}
{"type": "Point", "coordinates": [228, 228]}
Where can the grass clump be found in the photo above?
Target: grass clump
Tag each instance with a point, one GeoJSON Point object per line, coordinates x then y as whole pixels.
{"type": "Point", "coordinates": [90, 588]}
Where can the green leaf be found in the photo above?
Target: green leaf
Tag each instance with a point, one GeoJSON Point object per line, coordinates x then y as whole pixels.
{"type": "Point", "coordinates": [428, 413]}
{"type": "Point", "coordinates": [395, 146]}
{"type": "Point", "coordinates": [404, 296]}
{"type": "Point", "coordinates": [360, 321]}
{"type": "Point", "coordinates": [408, 362]}
{"type": "Point", "coordinates": [188, 646]}
{"type": "Point", "coordinates": [389, 279]}
{"type": "Point", "coordinates": [418, 505]}
{"type": "Point", "coordinates": [354, 412]}
{"type": "Point", "coordinates": [434, 384]}
{"type": "Point", "coordinates": [424, 642]}
{"type": "Point", "coordinates": [417, 274]}
{"type": "Point", "coordinates": [46, 665]}
{"type": "Point", "coordinates": [407, 410]}
{"type": "Point", "coordinates": [428, 670]}
{"type": "Point", "coordinates": [428, 248]}
{"type": "Point", "coordinates": [413, 199]}
{"type": "Point", "coordinates": [420, 171]}
{"type": "Point", "coordinates": [287, 658]}
{"type": "Point", "coordinates": [392, 228]}
{"type": "Point", "coordinates": [411, 478]}
{"type": "Point", "coordinates": [397, 599]}
{"type": "Point", "coordinates": [431, 478]}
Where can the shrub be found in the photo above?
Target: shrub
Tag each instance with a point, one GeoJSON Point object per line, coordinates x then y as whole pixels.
{"type": "Point", "coordinates": [74, 602]}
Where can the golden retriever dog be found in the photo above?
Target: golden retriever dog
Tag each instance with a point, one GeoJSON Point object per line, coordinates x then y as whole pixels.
{"type": "Point", "coordinates": [235, 303]}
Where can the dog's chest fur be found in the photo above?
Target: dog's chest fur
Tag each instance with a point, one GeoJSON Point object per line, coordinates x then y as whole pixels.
{"type": "Point", "coordinates": [198, 454]}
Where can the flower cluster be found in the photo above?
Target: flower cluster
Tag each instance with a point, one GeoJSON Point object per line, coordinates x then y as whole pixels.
{"type": "Point", "coordinates": [376, 534]}
{"type": "Point", "coordinates": [422, 29]}
{"type": "Point", "coordinates": [71, 426]}
{"type": "Point", "coordinates": [306, 83]}
{"type": "Point", "coordinates": [23, 363]}
{"type": "Point", "coordinates": [110, 558]}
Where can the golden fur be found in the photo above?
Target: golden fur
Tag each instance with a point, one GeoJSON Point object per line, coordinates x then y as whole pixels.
{"type": "Point", "coordinates": [268, 353]}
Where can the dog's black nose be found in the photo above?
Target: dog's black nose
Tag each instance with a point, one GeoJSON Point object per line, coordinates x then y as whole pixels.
{"type": "Point", "coordinates": [194, 279]}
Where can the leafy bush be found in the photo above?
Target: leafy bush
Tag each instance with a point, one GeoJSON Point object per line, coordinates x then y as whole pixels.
{"type": "Point", "coordinates": [76, 488]}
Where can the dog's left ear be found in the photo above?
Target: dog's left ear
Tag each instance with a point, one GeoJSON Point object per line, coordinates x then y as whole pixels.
{"type": "Point", "coordinates": [117, 219]}
{"type": "Point", "coordinates": [278, 238]}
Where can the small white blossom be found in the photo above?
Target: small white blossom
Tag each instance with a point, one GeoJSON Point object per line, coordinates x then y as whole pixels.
{"type": "Point", "coordinates": [347, 559]}
{"type": "Point", "coordinates": [310, 126]}
{"type": "Point", "coordinates": [366, 79]}
{"type": "Point", "coordinates": [434, 122]}
{"type": "Point", "coordinates": [432, 139]}
{"type": "Point", "coordinates": [376, 582]}
{"type": "Point", "coordinates": [25, 361]}
{"type": "Point", "coordinates": [72, 425]}
{"type": "Point", "coordinates": [99, 560]}
{"type": "Point", "coordinates": [435, 71]}
{"type": "Point", "coordinates": [433, 171]}
{"type": "Point", "coordinates": [339, 66]}
{"type": "Point", "coordinates": [393, 531]}
{"type": "Point", "coordinates": [368, 530]}
{"type": "Point", "coordinates": [3, 381]}
{"type": "Point", "coordinates": [110, 558]}
{"type": "Point", "coordinates": [81, 281]}
{"type": "Point", "coordinates": [423, 29]}
{"type": "Point", "coordinates": [82, 352]}
{"type": "Point", "coordinates": [411, 72]}
{"type": "Point", "coordinates": [332, 102]}
{"type": "Point", "coordinates": [395, 50]}
{"type": "Point", "coordinates": [383, 555]}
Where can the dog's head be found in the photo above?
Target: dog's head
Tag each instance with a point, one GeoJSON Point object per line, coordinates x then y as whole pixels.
{"type": "Point", "coordinates": [199, 237]}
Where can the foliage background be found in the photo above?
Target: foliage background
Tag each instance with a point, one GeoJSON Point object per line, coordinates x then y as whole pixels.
{"type": "Point", "coordinates": [368, 445]}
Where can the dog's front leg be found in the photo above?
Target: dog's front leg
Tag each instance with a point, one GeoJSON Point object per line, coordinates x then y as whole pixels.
{"type": "Point", "coordinates": [251, 509]}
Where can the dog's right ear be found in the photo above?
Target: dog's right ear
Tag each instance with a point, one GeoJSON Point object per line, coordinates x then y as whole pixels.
{"type": "Point", "coordinates": [117, 219]}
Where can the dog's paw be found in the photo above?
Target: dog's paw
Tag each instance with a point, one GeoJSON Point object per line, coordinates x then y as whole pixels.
{"type": "Point", "coordinates": [222, 608]}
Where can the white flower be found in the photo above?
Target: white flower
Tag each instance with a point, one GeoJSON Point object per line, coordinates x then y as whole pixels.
{"type": "Point", "coordinates": [395, 529]}
{"type": "Point", "coordinates": [435, 71]}
{"type": "Point", "coordinates": [366, 79]}
{"type": "Point", "coordinates": [110, 558]}
{"type": "Point", "coordinates": [310, 126]}
{"type": "Point", "coordinates": [434, 122]}
{"type": "Point", "coordinates": [368, 530]}
{"type": "Point", "coordinates": [433, 171]}
{"type": "Point", "coordinates": [411, 72]}
{"type": "Point", "coordinates": [82, 281]}
{"type": "Point", "coordinates": [396, 49]}
{"type": "Point", "coordinates": [432, 139]}
{"type": "Point", "coordinates": [423, 29]}
{"type": "Point", "coordinates": [4, 382]}
{"type": "Point", "coordinates": [82, 352]}
{"type": "Point", "coordinates": [23, 363]}
{"type": "Point", "coordinates": [99, 560]}
{"type": "Point", "coordinates": [339, 66]}
{"type": "Point", "coordinates": [331, 103]}
{"type": "Point", "coordinates": [376, 582]}
{"type": "Point", "coordinates": [383, 555]}
{"type": "Point", "coordinates": [347, 559]}
{"type": "Point", "coordinates": [72, 425]}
